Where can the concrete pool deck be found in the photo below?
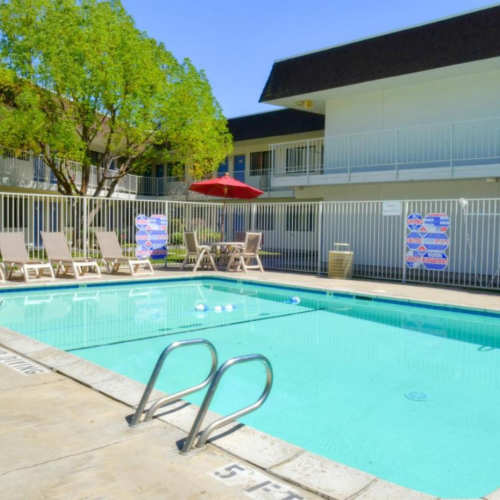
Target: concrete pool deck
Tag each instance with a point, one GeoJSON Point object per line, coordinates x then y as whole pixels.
{"type": "Point", "coordinates": [64, 433]}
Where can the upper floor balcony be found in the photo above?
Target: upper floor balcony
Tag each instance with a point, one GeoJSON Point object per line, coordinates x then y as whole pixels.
{"type": "Point", "coordinates": [25, 171]}
{"type": "Point", "coordinates": [457, 150]}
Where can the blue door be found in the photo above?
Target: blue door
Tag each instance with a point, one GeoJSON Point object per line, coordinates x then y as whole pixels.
{"type": "Point", "coordinates": [223, 168]}
{"type": "Point", "coordinates": [239, 168]}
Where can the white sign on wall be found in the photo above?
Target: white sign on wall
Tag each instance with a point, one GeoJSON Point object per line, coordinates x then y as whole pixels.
{"type": "Point", "coordinates": [391, 208]}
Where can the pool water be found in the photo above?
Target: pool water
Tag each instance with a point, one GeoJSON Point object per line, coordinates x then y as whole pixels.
{"type": "Point", "coordinates": [409, 394]}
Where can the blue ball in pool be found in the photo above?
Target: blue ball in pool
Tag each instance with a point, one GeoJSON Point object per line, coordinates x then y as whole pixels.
{"type": "Point", "coordinates": [201, 308]}
{"type": "Point", "coordinates": [229, 307]}
{"type": "Point", "coordinates": [294, 300]}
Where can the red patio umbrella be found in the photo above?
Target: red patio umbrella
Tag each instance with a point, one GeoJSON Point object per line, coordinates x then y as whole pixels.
{"type": "Point", "coordinates": [225, 187]}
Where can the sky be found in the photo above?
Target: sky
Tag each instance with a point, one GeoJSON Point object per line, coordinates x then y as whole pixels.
{"type": "Point", "coordinates": [237, 41]}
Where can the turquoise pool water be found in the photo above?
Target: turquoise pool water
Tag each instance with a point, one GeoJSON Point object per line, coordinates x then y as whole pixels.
{"type": "Point", "coordinates": [342, 365]}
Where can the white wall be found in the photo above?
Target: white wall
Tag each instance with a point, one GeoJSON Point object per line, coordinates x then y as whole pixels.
{"type": "Point", "coordinates": [470, 97]}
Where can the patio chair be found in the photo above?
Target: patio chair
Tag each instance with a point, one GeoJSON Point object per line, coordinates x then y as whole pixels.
{"type": "Point", "coordinates": [59, 254]}
{"type": "Point", "coordinates": [15, 255]}
{"type": "Point", "coordinates": [113, 258]}
{"type": "Point", "coordinates": [242, 256]}
{"type": "Point", "coordinates": [194, 249]}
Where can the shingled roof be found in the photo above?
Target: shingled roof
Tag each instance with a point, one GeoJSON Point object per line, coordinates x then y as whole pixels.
{"type": "Point", "coordinates": [274, 123]}
{"type": "Point", "coordinates": [465, 38]}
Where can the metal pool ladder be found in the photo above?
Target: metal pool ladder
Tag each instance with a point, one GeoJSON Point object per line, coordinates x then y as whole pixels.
{"type": "Point", "coordinates": [188, 444]}
{"type": "Point", "coordinates": [136, 419]}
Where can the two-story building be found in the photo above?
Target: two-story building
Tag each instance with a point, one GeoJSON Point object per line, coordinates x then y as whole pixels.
{"type": "Point", "coordinates": [409, 114]}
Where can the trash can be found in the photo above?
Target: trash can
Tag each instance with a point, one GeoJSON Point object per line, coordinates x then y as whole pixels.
{"type": "Point", "coordinates": [340, 261]}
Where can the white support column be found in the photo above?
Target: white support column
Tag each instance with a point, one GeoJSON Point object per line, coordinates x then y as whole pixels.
{"type": "Point", "coordinates": [253, 217]}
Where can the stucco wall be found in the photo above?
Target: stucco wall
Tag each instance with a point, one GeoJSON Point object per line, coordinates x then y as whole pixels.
{"type": "Point", "coordinates": [426, 190]}
{"type": "Point", "coordinates": [469, 97]}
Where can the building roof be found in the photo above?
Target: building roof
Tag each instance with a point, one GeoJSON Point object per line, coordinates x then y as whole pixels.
{"type": "Point", "coordinates": [274, 123]}
{"type": "Point", "coordinates": [461, 39]}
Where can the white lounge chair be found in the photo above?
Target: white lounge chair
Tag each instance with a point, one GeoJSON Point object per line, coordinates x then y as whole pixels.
{"type": "Point", "coordinates": [59, 254]}
{"type": "Point", "coordinates": [241, 256]}
{"type": "Point", "coordinates": [200, 252]}
{"type": "Point", "coordinates": [15, 256]}
{"type": "Point", "coordinates": [113, 257]}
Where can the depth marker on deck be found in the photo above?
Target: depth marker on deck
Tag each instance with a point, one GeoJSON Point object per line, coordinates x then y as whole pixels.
{"type": "Point", "coordinates": [20, 364]}
{"type": "Point", "coordinates": [254, 484]}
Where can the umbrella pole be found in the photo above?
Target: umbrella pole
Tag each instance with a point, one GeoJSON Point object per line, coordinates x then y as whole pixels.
{"type": "Point", "coordinates": [223, 221]}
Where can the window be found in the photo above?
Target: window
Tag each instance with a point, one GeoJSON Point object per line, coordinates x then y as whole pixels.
{"type": "Point", "coordinates": [95, 158]}
{"type": "Point", "coordinates": [299, 218]}
{"type": "Point", "coordinates": [260, 163]}
{"type": "Point", "coordinates": [300, 158]}
{"type": "Point", "coordinates": [264, 219]}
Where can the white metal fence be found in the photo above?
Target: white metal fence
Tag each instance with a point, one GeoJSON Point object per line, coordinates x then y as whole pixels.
{"type": "Point", "coordinates": [296, 236]}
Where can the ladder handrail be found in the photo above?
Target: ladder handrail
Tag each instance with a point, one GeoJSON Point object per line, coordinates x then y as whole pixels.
{"type": "Point", "coordinates": [178, 395]}
{"type": "Point", "coordinates": [188, 444]}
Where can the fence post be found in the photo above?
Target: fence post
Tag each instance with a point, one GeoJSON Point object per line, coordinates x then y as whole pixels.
{"type": "Point", "coordinates": [253, 216]}
{"type": "Point", "coordinates": [85, 224]}
{"type": "Point", "coordinates": [320, 234]}
{"type": "Point", "coordinates": [166, 245]}
{"type": "Point", "coordinates": [405, 215]}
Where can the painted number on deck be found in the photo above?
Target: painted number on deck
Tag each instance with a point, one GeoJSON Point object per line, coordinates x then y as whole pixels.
{"type": "Point", "coordinates": [254, 484]}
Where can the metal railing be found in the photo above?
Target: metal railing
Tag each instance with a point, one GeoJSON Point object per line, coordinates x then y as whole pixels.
{"type": "Point", "coordinates": [136, 419]}
{"type": "Point", "coordinates": [24, 170]}
{"type": "Point", "coordinates": [188, 444]}
{"type": "Point", "coordinates": [440, 151]}
{"type": "Point", "coordinates": [296, 236]}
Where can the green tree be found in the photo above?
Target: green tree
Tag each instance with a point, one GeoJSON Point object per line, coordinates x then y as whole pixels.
{"type": "Point", "coordinates": [77, 76]}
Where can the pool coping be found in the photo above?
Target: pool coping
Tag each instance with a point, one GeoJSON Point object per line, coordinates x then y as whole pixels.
{"type": "Point", "coordinates": [317, 474]}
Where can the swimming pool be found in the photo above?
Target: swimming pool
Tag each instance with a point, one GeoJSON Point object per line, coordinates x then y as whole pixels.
{"type": "Point", "coordinates": [346, 368]}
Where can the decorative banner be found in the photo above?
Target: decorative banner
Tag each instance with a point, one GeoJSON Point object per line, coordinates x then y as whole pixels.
{"type": "Point", "coordinates": [414, 241]}
{"type": "Point", "coordinates": [413, 259]}
{"type": "Point", "coordinates": [427, 241]}
{"type": "Point", "coordinates": [414, 222]}
{"type": "Point", "coordinates": [436, 223]}
{"type": "Point", "coordinates": [151, 237]}
{"type": "Point", "coordinates": [435, 261]}
{"type": "Point", "coordinates": [436, 241]}
{"type": "Point", "coordinates": [141, 221]}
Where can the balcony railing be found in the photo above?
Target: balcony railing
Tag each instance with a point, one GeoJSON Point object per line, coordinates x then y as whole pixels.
{"type": "Point", "coordinates": [29, 171]}
{"type": "Point", "coordinates": [460, 149]}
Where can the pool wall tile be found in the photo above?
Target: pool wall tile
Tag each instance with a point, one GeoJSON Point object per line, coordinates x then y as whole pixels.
{"type": "Point", "coordinates": [383, 490]}
{"type": "Point", "coordinates": [255, 446]}
{"type": "Point", "coordinates": [324, 476]}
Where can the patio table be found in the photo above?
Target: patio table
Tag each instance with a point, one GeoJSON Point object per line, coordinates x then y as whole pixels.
{"type": "Point", "coordinates": [222, 256]}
